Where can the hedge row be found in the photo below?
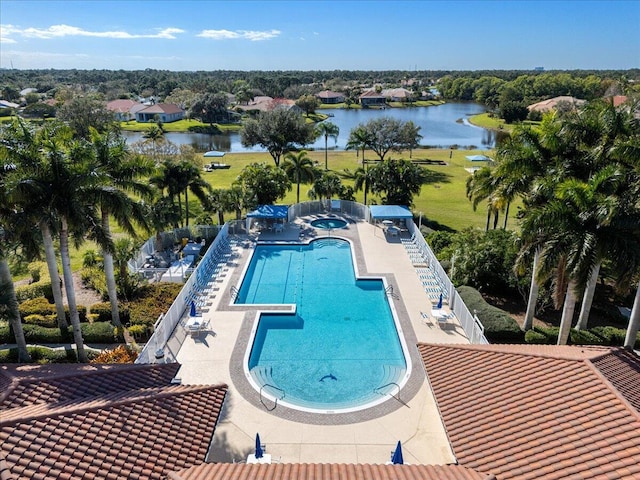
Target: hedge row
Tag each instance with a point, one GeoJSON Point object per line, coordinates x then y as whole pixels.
{"type": "Point", "coordinates": [593, 336]}
{"type": "Point", "coordinates": [45, 355]}
{"type": "Point", "coordinates": [98, 332]}
{"type": "Point", "coordinates": [499, 326]}
{"type": "Point", "coordinates": [42, 307]}
{"type": "Point", "coordinates": [153, 300]}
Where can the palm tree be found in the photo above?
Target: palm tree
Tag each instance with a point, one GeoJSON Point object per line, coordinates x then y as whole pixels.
{"type": "Point", "coordinates": [327, 129]}
{"type": "Point", "coordinates": [122, 173]}
{"type": "Point", "coordinates": [24, 145]}
{"type": "Point", "coordinates": [361, 179]}
{"type": "Point", "coordinates": [8, 300]}
{"type": "Point", "coordinates": [299, 168]}
{"type": "Point", "coordinates": [326, 186]}
{"type": "Point", "coordinates": [481, 186]}
{"type": "Point", "coordinates": [359, 139]}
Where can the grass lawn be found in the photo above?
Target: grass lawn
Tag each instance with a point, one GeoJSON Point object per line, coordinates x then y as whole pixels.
{"type": "Point", "coordinates": [178, 126]}
{"type": "Point", "coordinates": [443, 199]}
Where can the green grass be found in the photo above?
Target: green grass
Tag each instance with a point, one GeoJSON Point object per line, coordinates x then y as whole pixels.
{"type": "Point", "coordinates": [444, 200]}
{"type": "Point", "coordinates": [178, 126]}
{"type": "Point", "coordinates": [493, 123]}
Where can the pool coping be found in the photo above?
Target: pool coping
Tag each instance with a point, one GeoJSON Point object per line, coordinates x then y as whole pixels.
{"type": "Point", "coordinates": [408, 338]}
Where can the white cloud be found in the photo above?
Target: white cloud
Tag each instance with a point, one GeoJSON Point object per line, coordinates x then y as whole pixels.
{"type": "Point", "coordinates": [252, 35]}
{"type": "Point", "coordinates": [60, 31]}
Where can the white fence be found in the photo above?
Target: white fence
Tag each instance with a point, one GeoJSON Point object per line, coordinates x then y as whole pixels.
{"type": "Point", "coordinates": [158, 348]}
{"type": "Point", "coordinates": [472, 327]}
{"type": "Point", "coordinates": [353, 209]}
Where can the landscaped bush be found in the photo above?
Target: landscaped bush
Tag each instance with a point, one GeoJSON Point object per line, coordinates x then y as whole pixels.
{"type": "Point", "coordinates": [549, 333]}
{"type": "Point", "coordinates": [102, 311]}
{"type": "Point", "coordinates": [37, 334]}
{"type": "Point", "coordinates": [153, 300]}
{"type": "Point", "coordinates": [40, 285]}
{"type": "Point", "coordinates": [5, 333]}
{"type": "Point", "coordinates": [94, 278]}
{"type": "Point", "coordinates": [42, 320]}
{"type": "Point", "coordinates": [99, 332]}
{"type": "Point", "coordinates": [584, 337]}
{"type": "Point", "coordinates": [120, 354]}
{"type": "Point", "coordinates": [139, 331]}
{"type": "Point", "coordinates": [45, 355]}
{"type": "Point", "coordinates": [499, 326]}
{"type": "Point", "coordinates": [82, 313]}
{"type": "Point", "coordinates": [610, 335]}
{"type": "Point", "coordinates": [37, 306]}
{"type": "Point", "coordinates": [532, 336]}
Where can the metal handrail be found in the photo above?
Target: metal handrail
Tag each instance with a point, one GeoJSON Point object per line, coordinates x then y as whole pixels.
{"type": "Point", "coordinates": [276, 402]}
{"type": "Point", "coordinates": [377, 389]}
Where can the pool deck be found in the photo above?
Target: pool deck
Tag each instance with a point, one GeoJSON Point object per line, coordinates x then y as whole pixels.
{"type": "Point", "coordinates": [215, 357]}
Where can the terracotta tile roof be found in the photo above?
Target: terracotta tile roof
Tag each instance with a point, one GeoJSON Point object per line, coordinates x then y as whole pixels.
{"type": "Point", "coordinates": [122, 105]}
{"type": "Point", "coordinates": [305, 471]}
{"type": "Point", "coordinates": [329, 94]}
{"type": "Point", "coordinates": [103, 422]}
{"type": "Point", "coordinates": [539, 412]}
{"type": "Point", "coordinates": [371, 94]}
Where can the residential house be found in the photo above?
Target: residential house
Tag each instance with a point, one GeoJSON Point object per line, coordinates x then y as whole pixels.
{"type": "Point", "coordinates": [553, 103]}
{"type": "Point", "coordinates": [125, 110]}
{"type": "Point", "coordinates": [165, 112]}
{"type": "Point", "coordinates": [264, 104]}
{"type": "Point", "coordinates": [328, 97]}
{"type": "Point", "coordinates": [398, 94]}
{"type": "Point", "coordinates": [372, 98]}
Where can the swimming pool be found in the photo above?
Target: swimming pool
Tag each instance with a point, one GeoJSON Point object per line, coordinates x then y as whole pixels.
{"type": "Point", "coordinates": [328, 223]}
{"type": "Point", "coordinates": [340, 351]}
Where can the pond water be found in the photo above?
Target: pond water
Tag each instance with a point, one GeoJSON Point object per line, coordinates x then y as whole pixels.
{"type": "Point", "coordinates": [442, 126]}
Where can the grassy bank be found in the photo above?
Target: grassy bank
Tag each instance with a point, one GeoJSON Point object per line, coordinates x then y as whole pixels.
{"type": "Point", "coordinates": [178, 126]}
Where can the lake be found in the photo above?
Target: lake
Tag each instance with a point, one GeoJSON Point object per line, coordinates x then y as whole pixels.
{"type": "Point", "coordinates": [442, 126]}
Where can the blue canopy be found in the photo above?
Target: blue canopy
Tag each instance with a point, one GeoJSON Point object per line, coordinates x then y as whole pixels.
{"type": "Point", "coordinates": [397, 455]}
{"type": "Point", "coordinates": [478, 158]}
{"type": "Point", "coordinates": [270, 211]}
{"type": "Point", "coordinates": [390, 211]}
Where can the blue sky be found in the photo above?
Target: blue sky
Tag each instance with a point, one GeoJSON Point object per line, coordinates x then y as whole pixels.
{"type": "Point", "coordinates": [320, 35]}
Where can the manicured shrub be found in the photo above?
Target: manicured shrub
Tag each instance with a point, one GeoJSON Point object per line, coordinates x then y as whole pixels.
{"type": "Point", "coordinates": [610, 335]}
{"type": "Point", "coordinates": [584, 337]}
{"type": "Point", "coordinates": [531, 336]}
{"type": "Point", "coordinates": [6, 336]}
{"type": "Point", "coordinates": [82, 313]}
{"type": "Point", "coordinates": [45, 355]}
{"type": "Point", "coordinates": [138, 331]}
{"type": "Point", "coordinates": [499, 326]}
{"type": "Point", "coordinates": [102, 310]}
{"type": "Point", "coordinates": [36, 306]}
{"type": "Point", "coordinates": [42, 320]}
{"type": "Point", "coordinates": [153, 300]}
{"type": "Point", "coordinates": [98, 332]}
{"type": "Point", "coordinates": [38, 334]}
{"type": "Point", "coordinates": [40, 285]}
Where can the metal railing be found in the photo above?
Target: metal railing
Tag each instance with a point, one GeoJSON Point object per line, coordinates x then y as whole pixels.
{"type": "Point", "coordinates": [469, 322]}
{"type": "Point", "coordinates": [158, 348]}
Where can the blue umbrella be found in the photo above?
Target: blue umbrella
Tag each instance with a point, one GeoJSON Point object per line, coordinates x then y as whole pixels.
{"type": "Point", "coordinates": [397, 455]}
{"type": "Point", "coordinates": [193, 309]}
{"type": "Point", "coordinates": [259, 451]}
{"type": "Point", "coordinates": [439, 302]}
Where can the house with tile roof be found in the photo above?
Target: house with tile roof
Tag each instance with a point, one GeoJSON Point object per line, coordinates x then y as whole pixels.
{"type": "Point", "coordinates": [539, 412]}
{"type": "Point", "coordinates": [328, 97]}
{"type": "Point", "coordinates": [102, 421]}
{"type": "Point", "coordinates": [372, 98]}
{"type": "Point", "coordinates": [165, 112]}
{"type": "Point", "coordinates": [397, 94]}
{"type": "Point", "coordinates": [124, 109]}
{"type": "Point", "coordinates": [553, 103]}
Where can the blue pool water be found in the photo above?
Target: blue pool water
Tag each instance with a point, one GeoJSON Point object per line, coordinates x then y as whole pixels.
{"type": "Point", "coordinates": [327, 223]}
{"type": "Point", "coordinates": [342, 343]}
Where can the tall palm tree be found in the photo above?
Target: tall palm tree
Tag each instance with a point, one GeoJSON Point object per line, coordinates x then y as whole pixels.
{"type": "Point", "coordinates": [122, 173]}
{"type": "Point", "coordinates": [327, 129]}
{"type": "Point", "coordinates": [22, 144]}
{"type": "Point", "coordinates": [299, 168]}
{"type": "Point", "coordinates": [359, 139]}
{"type": "Point", "coordinates": [481, 186]}
{"type": "Point", "coordinates": [10, 218]}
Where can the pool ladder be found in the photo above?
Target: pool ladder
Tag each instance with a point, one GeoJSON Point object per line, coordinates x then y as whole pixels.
{"type": "Point", "coordinates": [276, 402]}
{"type": "Point", "coordinates": [378, 390]}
